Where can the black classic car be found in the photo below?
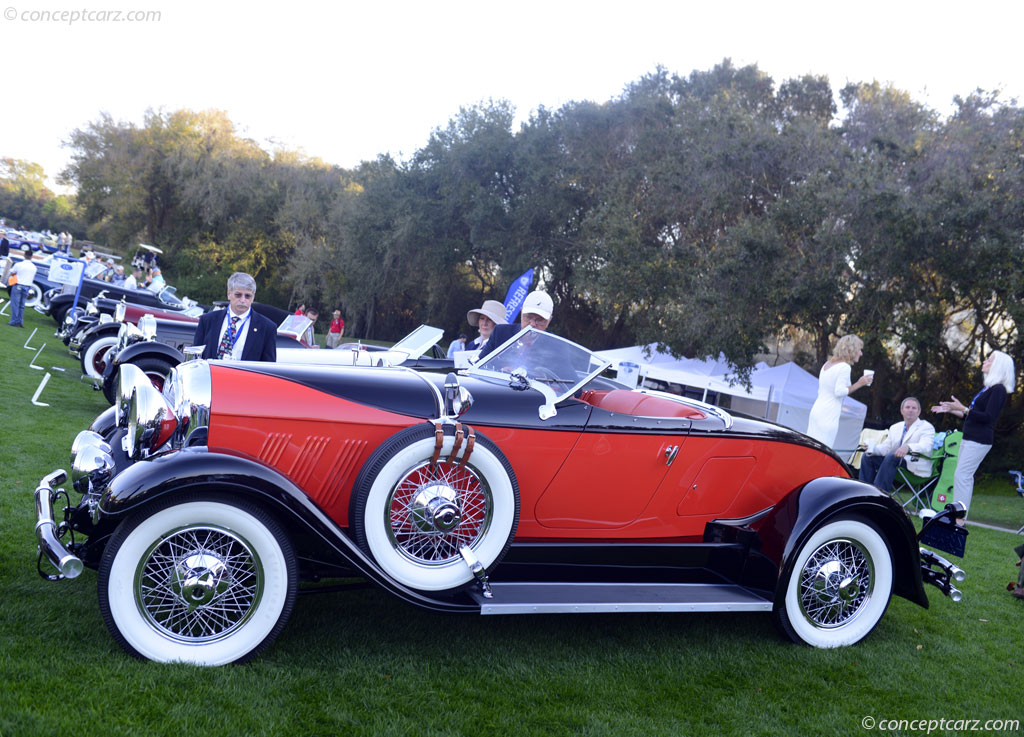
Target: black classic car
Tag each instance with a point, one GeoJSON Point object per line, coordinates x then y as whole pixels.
{"type": "Point", "coordinates": [528, 483]}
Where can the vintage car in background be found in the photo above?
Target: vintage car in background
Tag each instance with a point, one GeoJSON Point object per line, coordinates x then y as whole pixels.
{"type": "Point", "coordinates": [59, 305]}
{"type": "Point", "coordinates": [528, 483]}
{"type": "Point", "coordinates": [91, 331]}
{"type": "Point", "coordinates": [156, 353]}
{"type": "Point", "coordinates": [157, 345]}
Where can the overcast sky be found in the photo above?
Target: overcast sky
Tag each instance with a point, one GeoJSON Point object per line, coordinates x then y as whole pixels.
{"type": "Point", "coordinates": [352, 80]}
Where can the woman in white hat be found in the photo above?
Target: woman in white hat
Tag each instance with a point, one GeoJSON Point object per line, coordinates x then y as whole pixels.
{"type": "Point", "coordinates": [484, 319]}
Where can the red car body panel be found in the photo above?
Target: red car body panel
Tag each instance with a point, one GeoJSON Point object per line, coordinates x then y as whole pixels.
{"type": "Point", "coordinates": [573, 485]}
{"type": "Point", "coordinates": [133, 312]}
{"type": "Point", "coordinates": [318, 441]}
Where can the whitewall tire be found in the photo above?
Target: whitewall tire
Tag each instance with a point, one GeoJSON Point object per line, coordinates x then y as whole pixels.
{"type": "Point", "coordinates": [204, 580]}
{"type": "Point", "coordinates": [94, 357]}
{"type": "Point", "coordinates": [839, 586]}
{"type": "Point", "coordinates": [414, 519]}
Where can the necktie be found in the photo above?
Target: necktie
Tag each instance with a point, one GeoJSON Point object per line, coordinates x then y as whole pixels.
{"type": "Point", "coordinates": [228, 341]}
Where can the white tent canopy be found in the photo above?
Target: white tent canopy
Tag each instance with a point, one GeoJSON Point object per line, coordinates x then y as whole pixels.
{"type": "Point", "coordinates": [782, 394]}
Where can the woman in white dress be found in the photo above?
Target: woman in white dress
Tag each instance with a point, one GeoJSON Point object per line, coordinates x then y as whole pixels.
{"type": "Point", "coordinates": [833, 387]}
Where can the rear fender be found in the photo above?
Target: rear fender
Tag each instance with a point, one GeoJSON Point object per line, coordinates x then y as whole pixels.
{"type": "Point", "coordinates": [192, 469]}
{"type": "Point", "coordinates": [795, 518]}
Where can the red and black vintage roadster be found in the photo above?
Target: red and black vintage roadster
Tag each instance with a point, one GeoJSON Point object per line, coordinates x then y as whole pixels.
{"type": "Point", "coordinates": [528, 483]}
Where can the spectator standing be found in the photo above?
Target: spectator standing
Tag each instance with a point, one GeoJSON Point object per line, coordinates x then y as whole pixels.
{"type": "Point", "coordinates": [1018, 590]}
{"type": "Point", "coordinates": [833, 387]}
{"type": "Point", "coordinates": [337, 330]}
{"type": "Point", "coordinates": [156, 280]}
{"type": "Point", "coordinates": [979, 422]}
{"type": "Point", "coordinates": [132, 280]}
{"type": "Point", "coordinates": [459, 344]}
{"type": "Point", "coordinates": [237, 333]}
{"type": "Point", "coordinates": [24, 272]}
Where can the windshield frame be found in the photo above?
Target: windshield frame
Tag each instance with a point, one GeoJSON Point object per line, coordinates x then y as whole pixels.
{"type": "Point", "coordinates": [520, 379]}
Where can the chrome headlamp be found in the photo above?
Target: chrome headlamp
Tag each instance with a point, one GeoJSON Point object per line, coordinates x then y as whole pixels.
{"type": "Point", "coordinates": [92, 468]}
{"type": "Point", "coordinates": [129, 377]}
{"type": "Point", "coordinates": [120, 311]}
{"type": "Point", "coordinates": [147, 325]}
{"type": "Point", "coordinates": [84, 438]}
{"type": "Point", "coordinates": [151, 422]}
{"type": "Point", "coordinates": [92, 309]}
{"type": "Point", "coordinates": [92, 464]}
{"type": "Point", "coordinates": [188, 392]}
{"type": "Point", "coordinates": [127, 334]}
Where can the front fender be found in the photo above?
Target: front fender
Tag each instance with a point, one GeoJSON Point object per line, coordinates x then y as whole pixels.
{"type": "Point", "coordinates": [149, 348]}
{"type": "Point", "coordinates": [192, 469]}
{"type": "Point", "coordinates": [97, 330]}
{"type": "Point", "coordinates": [795, 518]}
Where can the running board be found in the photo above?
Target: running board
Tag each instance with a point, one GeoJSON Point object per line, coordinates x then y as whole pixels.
{"type": "Point", "coordinates": [588, 598]}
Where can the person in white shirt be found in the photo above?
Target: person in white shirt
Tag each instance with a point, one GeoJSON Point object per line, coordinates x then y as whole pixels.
{"type": "Point", "coordinates": [25, 271]}
{"type": "Point", "coordinates": [132, 280]}
{"type": "Point", "coordinates": [879, 464]}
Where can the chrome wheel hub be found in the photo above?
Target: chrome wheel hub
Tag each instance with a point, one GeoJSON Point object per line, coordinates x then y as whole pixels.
{"type": "Point", "coordinates": [836, 582]}
{"type": "Point", "coordinates": [435, 511]}
{"type": "Point", "coordinates": [199, 578]}
{"type": "Point", "coordinates": [198, 584]}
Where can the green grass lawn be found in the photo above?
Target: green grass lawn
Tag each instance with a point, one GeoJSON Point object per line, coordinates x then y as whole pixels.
{"type": "Point", "coordinates": [359, 663]}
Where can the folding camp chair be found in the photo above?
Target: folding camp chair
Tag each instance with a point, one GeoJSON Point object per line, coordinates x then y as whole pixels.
{"type": "Point", "coordinates": [935, 490]}
{"type": "Point", "coordinates": [866, 435]}
{"type": "Point", "coordinates": [1019, 478]}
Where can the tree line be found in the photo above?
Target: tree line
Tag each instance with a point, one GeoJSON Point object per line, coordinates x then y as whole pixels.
{"type": "Point", "coordinates": [714, 212]}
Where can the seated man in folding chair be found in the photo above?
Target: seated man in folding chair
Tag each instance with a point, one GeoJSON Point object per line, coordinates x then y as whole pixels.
{"type": "Point", "coordinates": [879, 464]}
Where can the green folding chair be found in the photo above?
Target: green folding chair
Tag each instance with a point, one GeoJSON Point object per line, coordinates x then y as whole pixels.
{"type": "Point", "coordinates": [935, 490]}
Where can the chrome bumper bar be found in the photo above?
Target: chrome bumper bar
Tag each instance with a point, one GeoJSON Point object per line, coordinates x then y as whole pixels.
{"type": "Point", "coordinates": [46, 529]}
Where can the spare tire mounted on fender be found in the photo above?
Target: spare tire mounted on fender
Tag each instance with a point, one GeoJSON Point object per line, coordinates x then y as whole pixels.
{"type": "Point", "coordinates": [414, 516]}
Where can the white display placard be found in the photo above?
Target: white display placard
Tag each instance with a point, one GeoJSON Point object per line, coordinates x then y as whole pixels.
{"type": "Point", "coordinates": [66, 272]}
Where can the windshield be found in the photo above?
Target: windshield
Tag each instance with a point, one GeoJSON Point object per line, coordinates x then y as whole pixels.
{"type": "Point", "coordinates": [551, 364]}
{"type": "Point", "coordinates": [169, 296]}
{"type": "Point", "coordinates": [419, 341]}
{"type": "Point", "coordinates": [294, 326]}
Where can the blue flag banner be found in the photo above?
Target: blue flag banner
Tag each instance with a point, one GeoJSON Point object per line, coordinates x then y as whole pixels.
{"type": "Point", "coordinates": [516, 294]}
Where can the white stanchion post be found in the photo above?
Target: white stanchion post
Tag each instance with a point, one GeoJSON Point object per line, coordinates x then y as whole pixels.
{"type": "Point", "coordinates": [30, 340]}
{"type": "Point", "coordinates": [35, 397]}
{"type": "Point", "coordinates": [33, 364]}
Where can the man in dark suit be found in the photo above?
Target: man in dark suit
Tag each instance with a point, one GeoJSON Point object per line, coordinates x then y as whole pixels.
{"type": "Point", "coordinates": [238, 333]}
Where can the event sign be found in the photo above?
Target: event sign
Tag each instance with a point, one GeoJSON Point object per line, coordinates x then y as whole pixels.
{"type": "Point", "coordinates": [66, 272]}
{"type": "Point", "coordinates": [516, 294]}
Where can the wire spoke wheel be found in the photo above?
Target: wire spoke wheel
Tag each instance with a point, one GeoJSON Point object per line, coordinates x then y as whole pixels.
{"type": "Point", "coordinates": [414, 518]}
{"type": "Point", "coordinates": [835, 583]}
{"type": "Point", "coordinates": [838, 585]}
{"type": "Point", "coordinates": [199, 584]}
{"type": "Point", "coordinates": [436, 511]}
{"type": "Point", "coordinates": [205, 578]}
